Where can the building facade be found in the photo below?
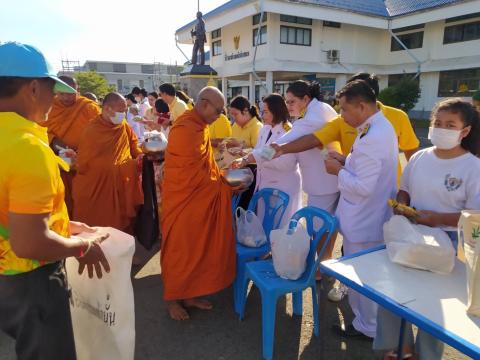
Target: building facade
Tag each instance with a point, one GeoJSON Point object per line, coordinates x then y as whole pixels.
{"type": "Point", "coordinates": [260, 46]}
{"type": "Point", "coordinates": [125, 76]}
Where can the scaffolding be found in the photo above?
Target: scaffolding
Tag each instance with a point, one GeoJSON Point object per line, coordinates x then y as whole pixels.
{"type": "Point", "coordinates": [70, 65]}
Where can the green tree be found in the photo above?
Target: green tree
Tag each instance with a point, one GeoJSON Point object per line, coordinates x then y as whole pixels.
{"type": "Point", "coordinates": [403, 95]}
{"type": "Point", "coordinates": [91, 81]}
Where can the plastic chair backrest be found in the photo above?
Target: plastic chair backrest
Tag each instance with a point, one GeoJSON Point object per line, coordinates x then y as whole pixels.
{"type": "Point", "coordinates": [275, 204]}
{"type": "Point", "coordinates": [330, 222]}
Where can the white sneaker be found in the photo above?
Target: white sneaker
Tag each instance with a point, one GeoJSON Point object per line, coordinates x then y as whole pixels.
{"type": "Point", "coordinates": [337, 293]}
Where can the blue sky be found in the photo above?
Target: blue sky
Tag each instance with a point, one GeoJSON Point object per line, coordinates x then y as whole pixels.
{"type": "Point", "coordinates": [117, 30]}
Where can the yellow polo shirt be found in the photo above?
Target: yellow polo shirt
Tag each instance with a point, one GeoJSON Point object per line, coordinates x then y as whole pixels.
{"type": "Point", "coordinates": [177, 108]}
{"type": "Point", "coordinates": [30, 183]}
{"type": "Point", "coordinates": [220, 128]}
{"type": "Point", "coordinates": [339, 130]}
{"type": "Point", "coordinates": [248, 133]}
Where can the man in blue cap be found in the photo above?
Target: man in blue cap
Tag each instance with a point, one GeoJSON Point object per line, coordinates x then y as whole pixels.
{"type": "Point", "coordinates": [35, 231]}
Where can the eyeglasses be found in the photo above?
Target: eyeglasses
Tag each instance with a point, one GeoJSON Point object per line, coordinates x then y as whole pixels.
{"type": "Point", "coordinates": [218, 111]}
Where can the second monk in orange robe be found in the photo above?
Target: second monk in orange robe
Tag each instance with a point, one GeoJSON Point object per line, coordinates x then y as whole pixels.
{"type": "Point", "coordinates": [66, 122]}
{"type": "Point", "coordinates": [198, 246]}
{"type": "Point", "coordinates": [107, 189]}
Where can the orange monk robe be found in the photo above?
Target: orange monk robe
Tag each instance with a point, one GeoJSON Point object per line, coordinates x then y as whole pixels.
{"type": "Point", "coordinates": [198, 246]}
{"type": "Point", "coordinates": [107, 189]}
{"type": "Point", "coordinates": [67, 123]}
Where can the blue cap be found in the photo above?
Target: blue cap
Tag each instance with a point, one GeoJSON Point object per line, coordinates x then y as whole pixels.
{"type": "Point", "coordinates": [20, 60]}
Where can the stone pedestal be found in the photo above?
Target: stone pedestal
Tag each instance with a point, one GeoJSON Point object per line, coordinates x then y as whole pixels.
{"type": "Point", "coordinates": [195, 77]}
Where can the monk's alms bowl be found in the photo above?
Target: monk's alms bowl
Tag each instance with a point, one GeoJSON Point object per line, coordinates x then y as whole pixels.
{"type": "Point", "coordinates": [238, 177]}
{"type": "Point", "coordinates": [154, 142]}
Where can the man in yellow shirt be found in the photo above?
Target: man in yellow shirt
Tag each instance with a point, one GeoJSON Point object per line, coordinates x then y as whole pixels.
{"type": "Point", "coordinates": [339, 130]}
{"type": "Point", "coordinates": [168, 94]}
{"type": "Point", "coordinates": [34, 226]}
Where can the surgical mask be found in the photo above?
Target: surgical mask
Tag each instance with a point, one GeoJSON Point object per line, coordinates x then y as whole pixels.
{"type": "Point", "coordinates": [444, 139]}
{"type": "Point", "coordinates": [138, 99]}
{"type": "Point", "coordinates": [117, 118]}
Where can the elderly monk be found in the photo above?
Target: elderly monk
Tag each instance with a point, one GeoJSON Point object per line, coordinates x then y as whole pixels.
{"type": "Point", "coordinates": [70, 114]}
{"type": "Point", "coordinates": [198, 247]}
{"type": "Point", "coordinates": [106, 189]}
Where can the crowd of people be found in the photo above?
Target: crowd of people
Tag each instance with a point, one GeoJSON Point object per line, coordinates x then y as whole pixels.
{"type": "Point", "coordinates": [71, 164]}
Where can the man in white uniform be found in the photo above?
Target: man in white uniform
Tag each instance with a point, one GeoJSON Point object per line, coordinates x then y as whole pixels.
{"type": "Point", "coordinates": [367, 178]}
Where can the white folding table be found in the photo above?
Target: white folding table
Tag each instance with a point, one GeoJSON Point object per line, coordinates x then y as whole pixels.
{"type": "Point", "coordinates": [433, 302]}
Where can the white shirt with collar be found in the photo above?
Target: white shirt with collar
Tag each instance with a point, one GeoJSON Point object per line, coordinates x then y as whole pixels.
{"type": "Point", "coordinates": [281, 173]}
{"type": "Point", "coordinates": [367, 181]}
{"type": "Point", "coordinates": [315, 179]}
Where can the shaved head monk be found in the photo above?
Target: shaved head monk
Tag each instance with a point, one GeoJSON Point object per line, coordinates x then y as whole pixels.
{"type": "Point", "coordinates": [70, 114]}
{"type": "Point", "coordinates": [106, 189]}
{"type": "Point", "coordinates": [198, 246]}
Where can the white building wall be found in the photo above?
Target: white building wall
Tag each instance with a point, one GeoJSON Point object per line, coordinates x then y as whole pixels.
{"type": "Point", "coordinates": [361, 48]}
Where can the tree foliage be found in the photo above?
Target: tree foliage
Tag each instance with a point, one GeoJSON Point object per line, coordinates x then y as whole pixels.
{"type": "Point", "coordinates": [91, 81]}
{"type": "Point", "coordinates": [403, 95]}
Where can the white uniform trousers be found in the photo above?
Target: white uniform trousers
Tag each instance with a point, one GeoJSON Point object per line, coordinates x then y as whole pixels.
{"type": "Point", "coordinates": [364, 309]}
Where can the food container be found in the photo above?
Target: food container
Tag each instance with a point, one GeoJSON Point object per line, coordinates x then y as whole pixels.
{"type": "Point", "coordinates": [155, 141]}
{"type": "Point", "coordinates": [238, 177]}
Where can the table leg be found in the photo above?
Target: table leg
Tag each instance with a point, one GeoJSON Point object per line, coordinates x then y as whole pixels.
{"type": "Point", "coordinates": [401, 340]}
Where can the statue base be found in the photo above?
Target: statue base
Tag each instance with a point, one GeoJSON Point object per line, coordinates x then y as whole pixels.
{"type": "Point", "coordinates": [194, 69]}
{"type": "Point", "coordinates": [194, 78]}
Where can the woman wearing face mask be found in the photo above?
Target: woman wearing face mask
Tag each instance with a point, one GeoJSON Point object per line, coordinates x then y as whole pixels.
{"type": "Point", "coordinates": [281, 173]}
{"type": "Point", "coordinates": [141, 96]}
{"type": "Point", "coordinates": [245, 132]}
{"type": "Point", "coordinates": [439, 182]}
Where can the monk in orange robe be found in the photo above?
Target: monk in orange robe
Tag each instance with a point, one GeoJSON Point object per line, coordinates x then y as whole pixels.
{"type": "Point", "coordinates": [66, 122]}
{"type": "Point", "coordinates": [107, 189]}
{"type": "Point", "coordinates": [198, 246]}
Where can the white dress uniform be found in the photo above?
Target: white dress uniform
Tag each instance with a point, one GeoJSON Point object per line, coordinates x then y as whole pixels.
{"type": "Point", "coordinates": [321, 187]}
{"type": "Point", "coordinates": [281, 173]}
{"type": "Point", "coordinates": [367, 181]}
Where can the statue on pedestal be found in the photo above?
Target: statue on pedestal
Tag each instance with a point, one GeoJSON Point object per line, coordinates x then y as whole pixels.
{"type": "Point", "coordinates": [200, 40]}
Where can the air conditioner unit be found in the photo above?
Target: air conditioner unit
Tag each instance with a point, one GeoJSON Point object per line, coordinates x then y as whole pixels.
{"type": "Point", "coordinates": [333, 55]}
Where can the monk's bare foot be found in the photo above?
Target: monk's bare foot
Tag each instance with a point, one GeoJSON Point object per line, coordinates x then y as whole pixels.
{"type": "Point", "coordinates": [197, 303]}
{"type": "Point", "coordinates": [177, 311]}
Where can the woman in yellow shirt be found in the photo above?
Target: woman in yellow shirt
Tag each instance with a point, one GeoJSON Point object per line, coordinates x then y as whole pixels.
{"type": "Point", "coordinates": [247, 125]}
{"type": "Point", "coordinates": [245, 133]}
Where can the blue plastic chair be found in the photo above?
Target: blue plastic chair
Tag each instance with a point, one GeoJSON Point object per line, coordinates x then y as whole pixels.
{"type": "Point", "coordinates": [275, 203]}
{"type": "Point", "coordinates": [272, 286]}
{"type": "Point", "coordinates": [235, 202]}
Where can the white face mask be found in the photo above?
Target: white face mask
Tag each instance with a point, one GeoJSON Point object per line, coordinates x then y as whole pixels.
{"type": "Point", "coordinates": [117, 118]}
{"type": "Point", "coordinates": [444, 139]}
{"type": "Point", "coordinates": [138, 99]}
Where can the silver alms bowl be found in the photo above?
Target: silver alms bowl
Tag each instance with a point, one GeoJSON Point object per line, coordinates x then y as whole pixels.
{"type": "Point", "coordinates": [238, 177]}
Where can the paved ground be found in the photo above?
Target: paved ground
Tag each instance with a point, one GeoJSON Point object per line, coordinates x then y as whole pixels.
{"type": "Point", "coordinates": [219, 335]}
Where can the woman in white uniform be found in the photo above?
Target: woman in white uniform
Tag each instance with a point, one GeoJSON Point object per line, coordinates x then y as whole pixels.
{"type": "Point", "coordinates": [439, 182]}
{"type": "Point", "coordinates": [303, 102]}
{"type": "Point", "coordinates": [282, 173]}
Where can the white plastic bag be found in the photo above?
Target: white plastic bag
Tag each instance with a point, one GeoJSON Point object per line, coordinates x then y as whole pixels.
{"type": "Point", "coordinates": [290, 247]}
{"type": "Point", "coordinates": [469, 235]}
{"type": "Point", "coordinates": [103, 313]}
{"type": "Point", "coordinates": [250, 230]}
{"type": "Point", "coordinates": [418, 246]}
